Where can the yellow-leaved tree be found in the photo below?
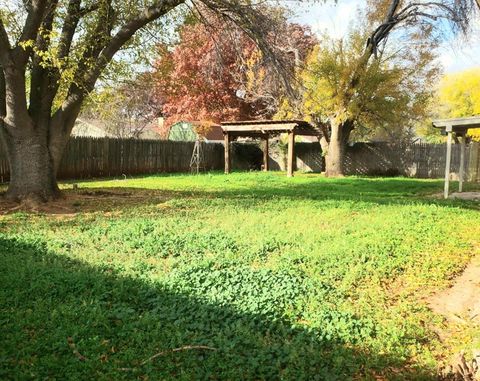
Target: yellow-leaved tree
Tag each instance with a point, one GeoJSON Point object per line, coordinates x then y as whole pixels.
{"type": "Point", "coordinates": [346, 92]}
{"type": "Point", "coordinates": [459, 96]}
{"type": "Point", "coordinates": [378, 74]}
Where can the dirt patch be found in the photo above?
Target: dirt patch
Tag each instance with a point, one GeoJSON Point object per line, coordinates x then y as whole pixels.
{"type": "Point", "coordinates": [461, 302]}
{"type": "Point", "coordinates": [471, 196]}
{"type": "Point", "coordinates": [460, 305]}
{"type": "Point", "coordinates": [90, 200]}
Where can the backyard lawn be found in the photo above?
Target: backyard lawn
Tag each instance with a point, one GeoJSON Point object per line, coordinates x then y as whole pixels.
{"type": "Point", "coordinates": [246, 276]}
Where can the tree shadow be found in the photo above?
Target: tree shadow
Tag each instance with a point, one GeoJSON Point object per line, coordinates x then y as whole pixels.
{"type": "Point", "coordinates": [67, 320]}
{"type": "Point", "coordinates": [255, 189]}
{"type": "Point", "coordinates": [258, 188]}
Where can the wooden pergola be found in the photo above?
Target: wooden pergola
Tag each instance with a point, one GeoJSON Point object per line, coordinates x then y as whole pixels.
{"type": "Point", "coordinates": [264, 129]}
{"type": "Point", "coordinates": [459, 127]}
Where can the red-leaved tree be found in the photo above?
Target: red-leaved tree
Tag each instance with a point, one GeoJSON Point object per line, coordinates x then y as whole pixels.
{"type": "Point", "coordinates": [217, 73]}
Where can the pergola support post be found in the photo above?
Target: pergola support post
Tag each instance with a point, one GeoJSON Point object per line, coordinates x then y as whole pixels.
{"type": "Point", "coordinates": [265, 153]}
{"type": "Point", "coordinates": [448, 161]}
{"type": "Point", "coordinates": [462, 164]}
{"type": "Point", "coordinates": [228, 161]}
{"type": "Point", "coordinates": [474, 162]}
{"type": "Point", "coordinates": [291, 153]}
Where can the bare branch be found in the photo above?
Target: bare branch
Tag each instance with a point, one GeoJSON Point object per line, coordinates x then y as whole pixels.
{"type": "Point", "coordinates": [257, 26]}
{"type": "Point", "coordinates": [411, 13]}
{"type": "Point", "coordinates": [458, 13]}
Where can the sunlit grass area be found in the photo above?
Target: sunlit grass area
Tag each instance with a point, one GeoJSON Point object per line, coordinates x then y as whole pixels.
{"type": "Point", "coordinates": [245, 276]}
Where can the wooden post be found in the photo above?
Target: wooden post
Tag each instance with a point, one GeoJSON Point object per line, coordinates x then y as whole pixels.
{"type": "Point", "coordinates": [474, 162]}
{"type": "Point", "coordinates": [291, 153]}
{"type": "Point", "coordinates": [265, 153]}
{"type": "Point", "coordinates": [448, 161]}
{"type": "Point", "coordinates": [462, 164]}
{"type": "Point", "coordinates": [226, 138]}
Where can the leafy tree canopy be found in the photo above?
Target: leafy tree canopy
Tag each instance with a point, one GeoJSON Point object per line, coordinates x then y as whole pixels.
{"type": "Point", "coordinates": [389, 97]}
{"type": "Point", "coordinates": [217, 73]}
{"type": "Point", "coordinates": [457, 96]}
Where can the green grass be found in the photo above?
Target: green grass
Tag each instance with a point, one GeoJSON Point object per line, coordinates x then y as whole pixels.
{"type": "Point", "coordinates": [297, 279]}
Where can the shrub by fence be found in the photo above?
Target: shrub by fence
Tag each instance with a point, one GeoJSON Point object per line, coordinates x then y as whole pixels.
{"type": "Point", "coordinates": [106, 157]}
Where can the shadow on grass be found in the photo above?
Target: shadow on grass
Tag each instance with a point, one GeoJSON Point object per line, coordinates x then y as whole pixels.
{"type": "Point", "coordinates": [261, 187]}
{"type": "Point", "coordinates": [248, 191]}
{"type": "Point", "coordinates": [117, 322]}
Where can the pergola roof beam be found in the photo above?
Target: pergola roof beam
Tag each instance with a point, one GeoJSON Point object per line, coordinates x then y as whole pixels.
{"type": "Point", "coordinates": [457, 124]}
{"type": "Point", "coordinates": [255, 128]}
{"type": "Point", "coordinates": [259, 127]}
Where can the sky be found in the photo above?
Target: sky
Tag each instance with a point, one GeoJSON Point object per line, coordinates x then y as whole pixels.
{"type": "Point", "coordinates": [455, 55]}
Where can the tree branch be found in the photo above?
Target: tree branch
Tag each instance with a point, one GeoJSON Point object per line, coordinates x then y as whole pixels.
{"type": "Point", "coordinates": [69, 26]}
{"type": "Point", "coordinates": [41, 75]}
{"type": "Point", "coordinates": [148, 15]}
{"type": "Point", "coordinates": [36, 13]}
{"type": "Point", "coordinates": [457, 12]}
{"type": "Point", "coordinates": [124, 34]}
{"type": "Point", "coordinates": [87, 78]}
{"type": "Point", "coordinates": [95, 42]}
{"type": "Point", "coordinates": [4, 43]}
{"type": "Point", "coordinates": [72, 18]}
{"type": "Point", "coordinates": [3, 106]}
{"type": "Point", "coordinates": [257, 27]}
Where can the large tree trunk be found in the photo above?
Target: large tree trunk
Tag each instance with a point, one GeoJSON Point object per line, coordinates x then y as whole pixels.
{"type": "Point", "coordinates": [32, 167]}
{"type": "Point", "coordinates": [335, 156]}
{"type": "Point", "coordinates": [33, 138]}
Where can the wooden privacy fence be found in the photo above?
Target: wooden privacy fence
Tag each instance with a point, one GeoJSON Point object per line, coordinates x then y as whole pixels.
{"type": "Point", "coordinates": [419, 160]}
{"type": "Point", "coordinates": [106, 157]}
